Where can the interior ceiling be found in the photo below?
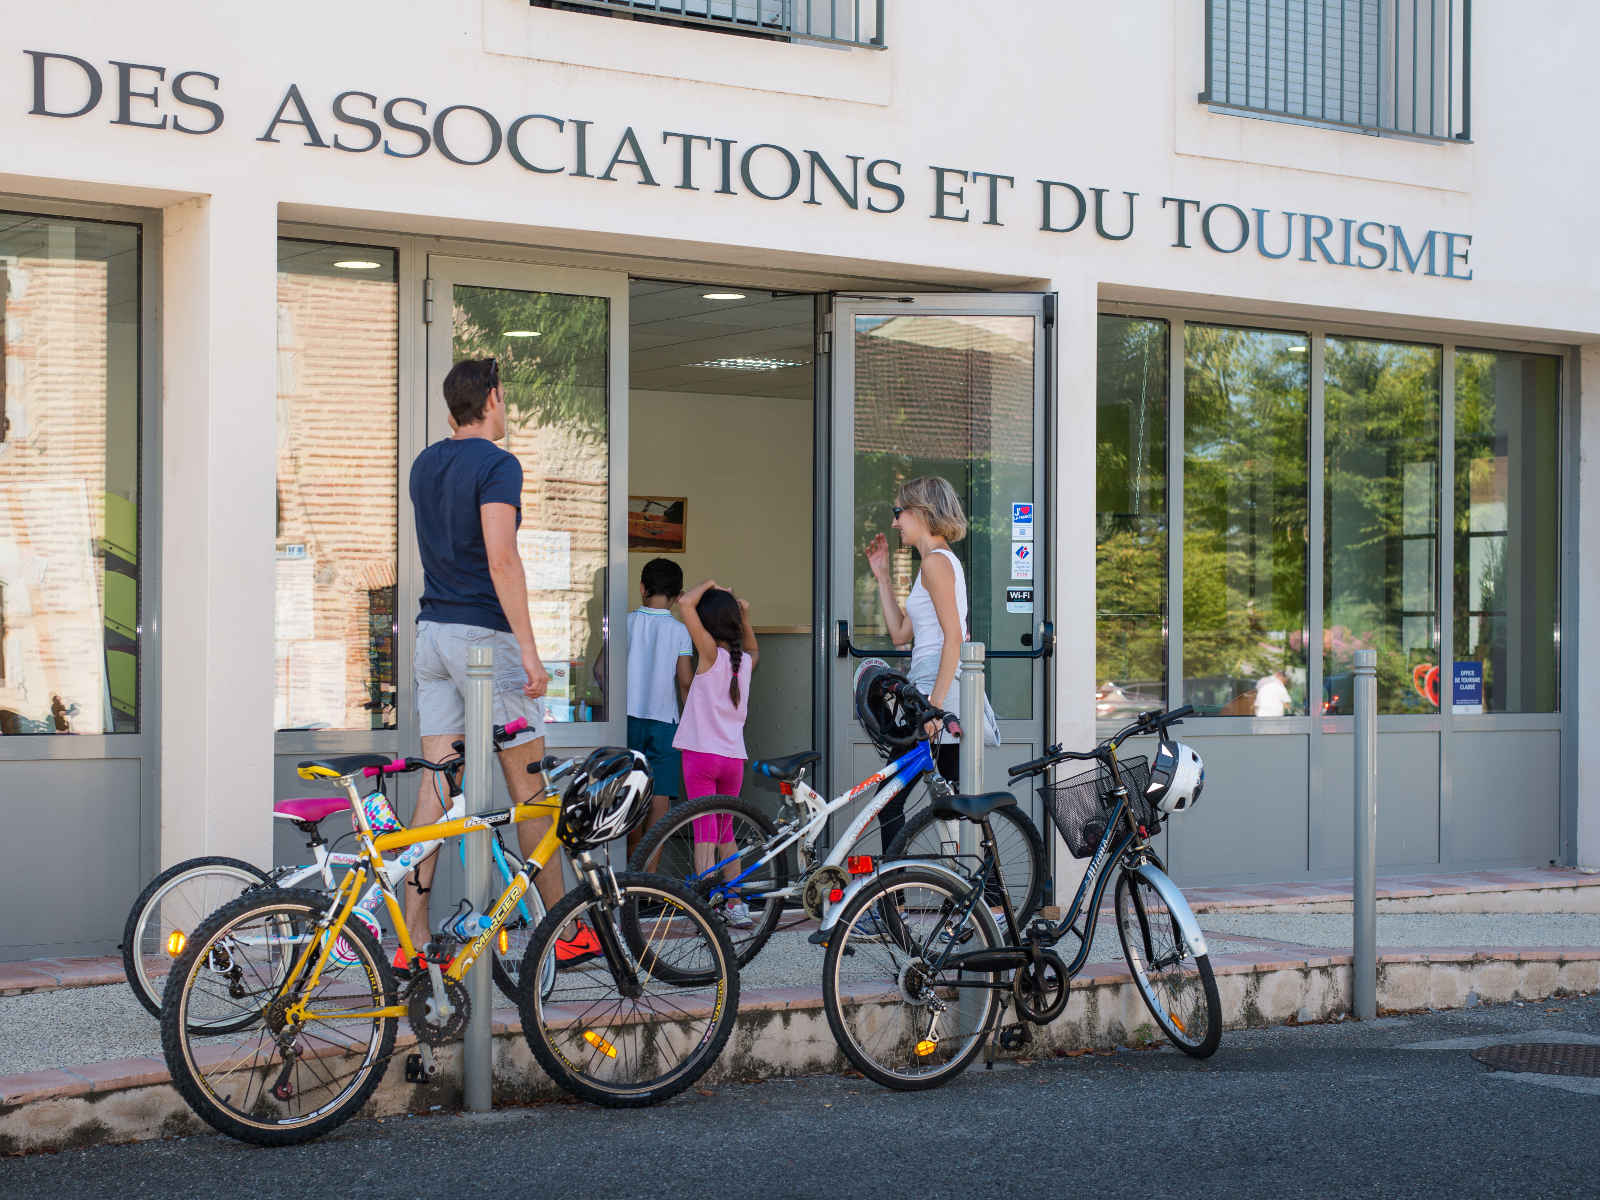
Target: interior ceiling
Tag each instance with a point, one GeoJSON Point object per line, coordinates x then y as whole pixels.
{"type": "Point", "coordinates": [672, 328]}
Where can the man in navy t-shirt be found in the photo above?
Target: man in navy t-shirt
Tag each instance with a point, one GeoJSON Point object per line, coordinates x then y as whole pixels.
{"type": "Point", "coordinates": [466, 493]}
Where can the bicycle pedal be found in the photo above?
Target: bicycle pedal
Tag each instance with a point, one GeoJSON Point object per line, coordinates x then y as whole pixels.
{"type": "Point", "coordinates": [1014, 1037]}
{"type": "Point", "coordinates": [419, 1072]}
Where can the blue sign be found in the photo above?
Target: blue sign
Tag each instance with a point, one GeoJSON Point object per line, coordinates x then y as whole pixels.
{"type": "Point", "coordinates": [1466, 686]}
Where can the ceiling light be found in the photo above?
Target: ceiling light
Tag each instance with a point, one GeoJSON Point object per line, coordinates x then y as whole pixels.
{"type": "Point", "coordinates": [752, 364]}
{"type": "Point", "coordinates": [522, 333]}
{"type": "Point", "coordinates": [723, 296]}
{"type": "Point", "coordinates": [357, 264]}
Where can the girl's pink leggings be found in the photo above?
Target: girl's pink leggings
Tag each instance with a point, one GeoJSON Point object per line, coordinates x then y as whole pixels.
{"type": "Point", "coordinates": [712, 775]}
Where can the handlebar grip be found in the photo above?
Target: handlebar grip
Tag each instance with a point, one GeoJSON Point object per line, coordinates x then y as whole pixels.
{"type": "Point", "coordinates": [1179, 713]}
{"type": "Point", "coordinates": [512, 728]}
{"type": "Point", "coordinates": [1030, 767]}
{"type": "Point", "coordinates": [393, 767]}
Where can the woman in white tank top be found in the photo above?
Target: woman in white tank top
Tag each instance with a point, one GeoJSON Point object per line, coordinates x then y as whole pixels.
{"type": "Point", "coordinates": [928, 517]}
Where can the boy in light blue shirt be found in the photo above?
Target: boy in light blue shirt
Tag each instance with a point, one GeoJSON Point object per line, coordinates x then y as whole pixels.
{"type": "Point", "coordinates": [660, 669]}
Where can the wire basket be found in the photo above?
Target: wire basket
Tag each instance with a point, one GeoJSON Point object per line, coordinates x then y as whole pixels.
{"type": "Point", "coordinates": [1080, 806]}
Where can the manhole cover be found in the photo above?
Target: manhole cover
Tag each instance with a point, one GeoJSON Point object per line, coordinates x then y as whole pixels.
{"type": "Point", "coordinates": [1542, 1058]}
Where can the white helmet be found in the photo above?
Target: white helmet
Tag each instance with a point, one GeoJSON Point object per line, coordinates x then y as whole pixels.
{"type": "Point", "coordinates": [1176, 778]}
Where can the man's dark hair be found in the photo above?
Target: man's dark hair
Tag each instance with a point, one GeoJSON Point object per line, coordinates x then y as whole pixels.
{"type": "Point", "coordinates": [467, 388]}
{"type": "Point", "coordinates": [662, 577]}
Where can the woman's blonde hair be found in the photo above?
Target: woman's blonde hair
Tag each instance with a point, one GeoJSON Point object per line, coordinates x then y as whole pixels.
{"type": "Point", "coordinates": [937, 501]}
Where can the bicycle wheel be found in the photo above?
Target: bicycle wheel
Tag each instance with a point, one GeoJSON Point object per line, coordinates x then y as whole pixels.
{"type": "Point", "coordinates": [169, 910]}
{"type": "Point", "coordinates": [626, 1047]}
{"type": "Point", "coordinates": [1019, 850]}
{"type": "Point", "coordinates": [903, 1021]}
{"type": "Point", "coordinates": [1179, 989]}
{"type": "Point", "coordinates": [276, 1083]}
{"type": "Point", "coordinates": [669, 849]}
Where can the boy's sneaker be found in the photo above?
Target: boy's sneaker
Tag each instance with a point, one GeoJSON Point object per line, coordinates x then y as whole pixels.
{"type": "Point", "coordinates": [579, 948]}
{"type": "Point", "coordinates": [738, 915]}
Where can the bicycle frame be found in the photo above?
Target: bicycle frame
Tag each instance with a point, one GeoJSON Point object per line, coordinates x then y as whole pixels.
{"type": "Point", "coordinates": [895, 777]}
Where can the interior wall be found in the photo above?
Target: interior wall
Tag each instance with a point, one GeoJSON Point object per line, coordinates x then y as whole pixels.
{"type": "Point", "coordinates": [744, 465]}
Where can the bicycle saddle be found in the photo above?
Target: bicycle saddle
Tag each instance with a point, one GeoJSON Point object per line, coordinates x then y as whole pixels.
{"type": "Point", "coordinates": [339, 765]}
{"type": "Point", "coordinates": [785, 770]}
{"type": "Point", "coordinates": [971, 808]}
{"type": "Point", "coordinates": [310, 809]}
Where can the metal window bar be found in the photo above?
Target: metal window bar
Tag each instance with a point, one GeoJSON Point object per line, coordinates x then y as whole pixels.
{"type": "Point", "coordinates": [840, 22]}
{"type": "Point", "coordinates": [1382, 84]}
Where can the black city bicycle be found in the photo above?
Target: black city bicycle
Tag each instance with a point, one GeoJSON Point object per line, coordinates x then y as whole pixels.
{"type": "Point", "coordinates": [918, 974]}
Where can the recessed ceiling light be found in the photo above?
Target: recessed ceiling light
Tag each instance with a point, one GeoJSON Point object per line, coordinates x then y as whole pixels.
{"type": "Point", "coordinates": [752, 364]}
{"type": "Point", "coordinates": [723, 296]}
{"type": "Point", "coordinates": [357, 264]}
{"type": "Point", "coordinates": [522, 333]}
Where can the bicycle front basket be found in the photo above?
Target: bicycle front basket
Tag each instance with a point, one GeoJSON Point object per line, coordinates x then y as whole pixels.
{"type": "Point", "coordinates": [1080, 805]}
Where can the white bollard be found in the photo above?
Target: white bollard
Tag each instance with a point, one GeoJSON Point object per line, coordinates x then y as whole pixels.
{"type": "Point", "coordinates": [970, 711]}
{"type": "Point", "coordinates": [1364, 959]}
{"type": "Point", "coordinates": [477, 1067]}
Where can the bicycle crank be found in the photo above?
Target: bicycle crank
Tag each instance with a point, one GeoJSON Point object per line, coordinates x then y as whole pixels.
{"type": "Point", "coordinates": [1039, 989]}
{"type": "Point", "coordinates": [424, 1011]}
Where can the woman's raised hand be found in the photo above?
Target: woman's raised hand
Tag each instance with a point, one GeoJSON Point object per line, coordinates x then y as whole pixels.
{"type": "Point", "coordinates": [877, 551]}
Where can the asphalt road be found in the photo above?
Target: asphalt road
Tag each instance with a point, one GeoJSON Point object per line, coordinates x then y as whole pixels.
{"type": "Point", "coordinates": [1323, 1111]}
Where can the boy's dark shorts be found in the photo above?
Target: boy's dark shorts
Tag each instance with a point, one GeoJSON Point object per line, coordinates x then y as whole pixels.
{"type": "Point", "coordinates": [653, 739]}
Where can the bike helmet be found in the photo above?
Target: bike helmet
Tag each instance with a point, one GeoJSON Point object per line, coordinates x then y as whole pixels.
{"type": "Point", "coordinates": [608, 796]}
{"type": "Point", "coordinates": [878, 707]}
{"type": "Point", "coordinates": [1176, 778]}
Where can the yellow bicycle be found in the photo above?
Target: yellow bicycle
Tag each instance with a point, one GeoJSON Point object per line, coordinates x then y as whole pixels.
{"type": "Point", "coordinates": [312, 1006]}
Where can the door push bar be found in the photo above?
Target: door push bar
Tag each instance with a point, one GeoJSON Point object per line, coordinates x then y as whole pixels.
{"type": "Point", "coordinates": [1045, 649]}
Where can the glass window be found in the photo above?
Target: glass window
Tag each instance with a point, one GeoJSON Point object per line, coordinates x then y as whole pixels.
{"type": "Point", "coordinates": [553, 351]}
{"type": "Point", "coordinates": [1244, 521]}
{"type": "Point", "coordinates": [1380, 521]}
{"type": "Point", "coordinates": [69, 476]}
{"type": "Point", "coordinates": [1507, 530]}
{"type": "Point", "coordinates": [1131, 517]}
{"type": "Point", "coordinates": [338, 371]}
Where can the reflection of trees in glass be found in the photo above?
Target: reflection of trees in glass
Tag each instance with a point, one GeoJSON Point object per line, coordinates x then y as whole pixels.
{"type": "Point", "coordinates": [1131, 504]}
{"type": "Point", "coordinates": [557, 378]}
{"type": "Point", "coordinates": [1381, 404]}
{"type": "Point", "coordinates": [1245, 489]}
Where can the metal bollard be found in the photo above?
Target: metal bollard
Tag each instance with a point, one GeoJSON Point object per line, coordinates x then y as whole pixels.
{"type": "Point", "coordinates": [970, 709]}
{"type": "Point", "coordinates": [476, 1059]}
{"type": "Point", "coordinates": [1364, 960]}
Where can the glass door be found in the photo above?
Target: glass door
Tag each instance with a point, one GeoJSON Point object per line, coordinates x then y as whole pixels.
{"type": "Point", "coordinates": [950, 386]}
{"type": "Point", "coordinates": [559, 339]}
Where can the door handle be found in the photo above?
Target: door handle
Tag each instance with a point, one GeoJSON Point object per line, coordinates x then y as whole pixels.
{"type": "Point", "coordinates": [1045, 649]}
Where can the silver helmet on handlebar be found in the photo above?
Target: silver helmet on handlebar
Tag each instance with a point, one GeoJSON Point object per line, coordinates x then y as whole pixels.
{"type": "Point", "coordinates": [883, 716]}
{"type": "Point", "coordinates": [1177, 776]}
{"type": "Point", "coordinates": [607, 797]}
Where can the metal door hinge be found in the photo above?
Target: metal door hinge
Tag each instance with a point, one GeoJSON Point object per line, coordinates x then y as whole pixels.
{"type": "Point", "coordinates": [825, 335]}
{"type": "Point", "coordinates": [427, 301]}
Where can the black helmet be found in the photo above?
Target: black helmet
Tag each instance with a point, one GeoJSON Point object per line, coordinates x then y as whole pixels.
{"type": "Point", "coordinates": [608, 796]}
{"type": "Point", "coordinates": [879, 708]}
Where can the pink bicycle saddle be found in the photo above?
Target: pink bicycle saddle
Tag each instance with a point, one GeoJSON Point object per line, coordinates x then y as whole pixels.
{"type": "Point", "coordinates": [312, 809]}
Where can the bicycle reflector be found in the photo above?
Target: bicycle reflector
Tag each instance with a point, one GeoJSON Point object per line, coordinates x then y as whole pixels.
{"type": "Point", "coordinates": [176, 942]}
{"type": "Point", "coordinates": [835, 895]}
{"type": "Point", "coordinates": [502, 941]}
{"type": "Point", "coordinates": [599, 1043]}
{"type": "Point", "coordinates": [859, 864]}
{"type": "Point", "coordinates": [926, 1047]}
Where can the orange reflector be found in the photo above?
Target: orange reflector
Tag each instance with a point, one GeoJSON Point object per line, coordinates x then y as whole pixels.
{"type": "Point", "coordinates": [859, 864]}
{"type": "Point", "coordinates": [1178, 1023]}
{"type": "Point", "coordinates": [176, 942]}
{"type": "Point", "coordinates": [835, 895]}
{"type": "Point", "coordinates": [926, 1047]}
{"type": "Point", "coordinates": [599, 1043]}
{"type": "Point", "coordinates": [503, 941]}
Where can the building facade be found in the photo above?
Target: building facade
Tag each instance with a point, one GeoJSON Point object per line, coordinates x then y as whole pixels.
{"type": "Point", "coordinates": [1251, 335]}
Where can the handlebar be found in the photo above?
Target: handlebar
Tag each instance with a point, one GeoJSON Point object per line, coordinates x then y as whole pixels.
{"type": "Point", "coordinates": [920, 710]}
{"type": "Point", "coordinates": [500, 734]}
{"type": "Point", "coordinates": [1154, 721]}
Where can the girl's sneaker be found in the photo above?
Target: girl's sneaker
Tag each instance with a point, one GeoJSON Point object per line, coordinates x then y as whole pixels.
{"type": "Point", "coordinates": [738, 915]}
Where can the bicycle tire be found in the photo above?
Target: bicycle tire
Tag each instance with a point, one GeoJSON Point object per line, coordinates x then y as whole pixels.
{"type": "Point", "coordinates": [1012, 827]}
{"type": "Point", "coordinates": [147, 966]}
{"type": "Point", "coordinates": [280, 920]}
{"type": "Point", "coordinates": [590, 1064]}
{"type": "Point", "coordinates": [1158, 943]}
{"type": "Point", "coordinates": [666, 849]}
{"type": "Point", "coordinates": [906, 891]}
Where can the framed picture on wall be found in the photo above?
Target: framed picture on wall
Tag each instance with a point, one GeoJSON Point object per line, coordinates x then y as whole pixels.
{"type": "Point", "coordinates": [656, 523]}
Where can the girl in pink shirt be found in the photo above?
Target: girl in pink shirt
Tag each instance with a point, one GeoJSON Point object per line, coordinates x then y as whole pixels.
{"type": "Point", "coordinates": [711, 731]}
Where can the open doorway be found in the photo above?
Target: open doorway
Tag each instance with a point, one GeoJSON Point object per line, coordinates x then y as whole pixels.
{"type": "Point", "coordinates": [720, 469]}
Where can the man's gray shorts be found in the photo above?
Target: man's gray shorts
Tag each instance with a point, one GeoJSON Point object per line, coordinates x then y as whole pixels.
{"type": "Point", "coordinates": [441, 675]}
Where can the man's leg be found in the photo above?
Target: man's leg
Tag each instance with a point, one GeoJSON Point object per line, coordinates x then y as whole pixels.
{"type": "Point", "coordinates": [435, 748]}
{"type": "Point", "coordinates": [514, 761]}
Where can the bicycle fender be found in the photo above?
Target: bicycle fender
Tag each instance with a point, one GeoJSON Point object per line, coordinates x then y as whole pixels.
{"type": "Point", "coordinates": [1176, 905]}
{"type": "Point", "coordinates": [830, 914]}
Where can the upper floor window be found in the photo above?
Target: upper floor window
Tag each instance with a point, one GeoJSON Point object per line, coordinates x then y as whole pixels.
{"type": "Point", "coordinates": [846, 22]}
{"type": "Point", "coordinates": [1396, 67]}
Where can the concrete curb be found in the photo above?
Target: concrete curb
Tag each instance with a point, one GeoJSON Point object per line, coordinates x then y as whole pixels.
{"type": "Point", "coordinates": [785, 1032]}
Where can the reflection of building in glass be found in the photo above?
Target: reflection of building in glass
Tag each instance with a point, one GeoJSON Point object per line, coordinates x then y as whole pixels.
{"type": "Point", "coordinates": [58, 675]}
{"type": "Point", "coordinates": [336, 534]}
